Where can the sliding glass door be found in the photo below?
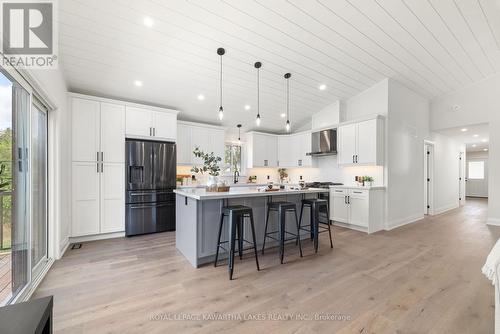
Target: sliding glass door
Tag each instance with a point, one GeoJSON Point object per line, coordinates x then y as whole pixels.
{"type": "Point", "coordinates": [23, 187]}
{"type": "Point", "coordinates": [38, 161]}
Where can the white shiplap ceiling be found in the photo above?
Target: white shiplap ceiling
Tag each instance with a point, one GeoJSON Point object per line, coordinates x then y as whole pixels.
{"type": "Point", "coordinates": [432, 46]}
{"type": "Point", "coordinates": [475, 137]}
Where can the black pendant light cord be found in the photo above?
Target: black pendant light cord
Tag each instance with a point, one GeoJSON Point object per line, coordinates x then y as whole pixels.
{"type": "Point", "coordinates": [221, 52]}
{"type": "Point", "coordinates": [287, 77]}
{"type": "Point", "coordinates": [258, 91]}
{"type": "Point", "coordinates": [221, 80]}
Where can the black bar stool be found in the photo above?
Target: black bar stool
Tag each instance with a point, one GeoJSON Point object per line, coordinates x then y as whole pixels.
{"type": "Point", "coordinates": [236, 215]}
{"type": "Point", "coordinates": [282, 208]}
{"type": "Point", "coordinates": [316, 205]}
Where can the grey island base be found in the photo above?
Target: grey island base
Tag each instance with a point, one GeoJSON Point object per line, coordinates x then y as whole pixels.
{"type": "Point", "coordinates": [198, 214]}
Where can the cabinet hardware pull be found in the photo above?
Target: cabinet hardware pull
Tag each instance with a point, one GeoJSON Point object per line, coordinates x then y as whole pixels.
{"type": "Point", "coordinates": [97, 166]}
{"type": "Point", "coordinates": [353, 159]}
{"type": "Point", "coordinates": [102, 156]}
{"type": "Point", "coordinates": [154, 132]}
{"type": "Point", "coordinates": [345, 199]}
{"type": "Point", "coordinates": [357, 158]}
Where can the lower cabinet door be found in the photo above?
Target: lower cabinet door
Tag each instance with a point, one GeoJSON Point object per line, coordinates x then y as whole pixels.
{"type": "Point", "coordinates": [359, 210]}
{"type": "Point", "coordinates": [85, 199]}
{"type": "Point", "coordinates": [339, 211]}
{"type": "Point", "coordinates": [113, 198]}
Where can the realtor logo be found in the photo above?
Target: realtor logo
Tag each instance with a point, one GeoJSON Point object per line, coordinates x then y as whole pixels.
{"type": "Point", "coordinates": [28, 34]}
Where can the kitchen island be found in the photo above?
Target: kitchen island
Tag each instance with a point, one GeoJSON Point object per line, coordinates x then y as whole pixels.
{"type": "Point", "coordinates": [198, 213]}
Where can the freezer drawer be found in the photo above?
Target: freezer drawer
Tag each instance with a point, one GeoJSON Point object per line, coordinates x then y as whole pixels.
{"type": "Point", "coordinates": [149, 218]}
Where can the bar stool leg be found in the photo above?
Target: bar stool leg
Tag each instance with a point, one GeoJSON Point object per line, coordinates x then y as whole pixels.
{"type": "Point", "coordinates": [265, 232]}
{"type": "Point", "coordinates": [218, 239]}
{"type": "Point", "coordinates": [281, 215]}
{"type": "Point", "coordinates": [254, 241]}
{"type": "Point", "coordinates": [232, 233]}
{"type": "Point", "coordinates": [311, 222]}
{"type": "Point", "coordinates": [239, 229]}
{"type": "Point", "coordinates": [298, 232]}
{"type": "Point", "coordinates": [329, 225]}
{"type": "Point", "coordinates": [300, 223]}
{"type": "Point", "coordinates": [314, 210]}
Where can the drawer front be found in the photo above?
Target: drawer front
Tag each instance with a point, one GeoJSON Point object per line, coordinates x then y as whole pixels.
{"type": "Point", "coordinates": [358, 193]}
{"type": "Point", "coordinates": [338, 191]}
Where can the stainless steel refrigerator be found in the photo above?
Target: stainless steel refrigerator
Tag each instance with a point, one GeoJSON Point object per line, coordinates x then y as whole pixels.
{"type": "Point", "coordinates": [150, 180]}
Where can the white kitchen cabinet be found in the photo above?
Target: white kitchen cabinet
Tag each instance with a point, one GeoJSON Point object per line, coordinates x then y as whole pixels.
{"type": "Point", "coordinates": [287, 151]}
{"type": "Point", "coordinates": [98, 166]}
{"type": "Point", "coordinates": [165, 126]}
{"type": "Point", "coordinates": [85, 199]}
{"type": "Point", "coordinates": [85, 129]}
{"type": "Point", "coordinates": [358, 208]}
{"type": "Point", "coordinates": [144, 123]}
{"type": "Point", "coordinates": [112, 130]}
{"type": "Point", "coordinates": [191, 135]}
{"type": "Point", "coordinates": [361, 143]}
{"type": "Point", "coordinates": [112, 201]}
{"type": "Point", "coordinates": [262, 150]}
{"type": "Point", "coordinates": [304, 146]}
{"type": "Point", "coordinates": [184, 151]}
{"type": "Point", "coordinates": [139, 122]}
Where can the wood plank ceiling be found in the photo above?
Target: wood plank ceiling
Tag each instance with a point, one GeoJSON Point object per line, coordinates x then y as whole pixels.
{"type": "Point", "coordinates": [432, 46]}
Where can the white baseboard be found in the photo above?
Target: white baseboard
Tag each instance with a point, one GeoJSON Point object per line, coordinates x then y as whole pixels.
{"type": "Point", "coordinates": [405, 221]}
{"type": "Point", "coordinates": [493, 221]}
{"type": "Point", "coordinates": [63, 248]}
{"type": "Point", "coordinates": [446, 208]}
{"type": "Point", "coordinates": [94, 237]}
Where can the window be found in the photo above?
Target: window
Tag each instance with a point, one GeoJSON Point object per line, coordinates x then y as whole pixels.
{"type": "Point", "coordinates": [232, 159]}
{"type": "Point", "coordinates": [476, 170]}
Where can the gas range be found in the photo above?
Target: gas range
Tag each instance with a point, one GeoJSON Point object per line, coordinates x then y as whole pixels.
{"type": "Point", "coordinates": [322, 184]}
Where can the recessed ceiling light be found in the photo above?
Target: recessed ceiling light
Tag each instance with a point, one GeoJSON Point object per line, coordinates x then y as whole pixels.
{"type": "Point", "coordinates": [148, 22]}
{"type": "Point", "coordinates": [247, 107]}
{"type": "Point", "coordinates": [464, 130]}
{"type": "Point", "coordinates": [474, 145]}
{"type": "Point", "coordinates": [485, 149]}
{"type": "Point", "coordinates": [201, 97]}
{"type": "Point", "coordinates": [138, 83]}
{"type": "Point", "coordinates": [322, 87]}
{"type": "Point", "coordinates": [283, 115]}
{"type": "Point", "coordinates": [475, 136]}
{"type": "Point", "coordinates": [484, 140]}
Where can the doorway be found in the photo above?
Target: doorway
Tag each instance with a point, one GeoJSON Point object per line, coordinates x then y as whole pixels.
{"type": "Point", "coordinates": [428, 178]}
{"type": "Point", "coordinates": [477, 174]}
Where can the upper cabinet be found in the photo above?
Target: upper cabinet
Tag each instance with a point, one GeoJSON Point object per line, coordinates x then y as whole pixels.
{"type": "Point", "coordinates": [293, 149]}
{"type": "Point", "coordinates": [361, 143]}
{"type": "Point", "coordinates": [145, 123]}
{"type": "Point", "coordinates": [262, 150]}
{"type": "Point", "coordinates": [191, 135]}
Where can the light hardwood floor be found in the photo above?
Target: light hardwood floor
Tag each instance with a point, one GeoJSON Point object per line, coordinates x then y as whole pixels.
{"type": "Point", "coordinates": [421, 278]}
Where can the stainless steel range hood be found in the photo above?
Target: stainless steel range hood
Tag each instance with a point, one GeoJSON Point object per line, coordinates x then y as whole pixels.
{"type": "Point", "coordinates": [324, 142]}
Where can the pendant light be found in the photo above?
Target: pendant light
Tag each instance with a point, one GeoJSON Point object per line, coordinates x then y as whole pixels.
{"type": "Point", "coordinates": [239, 134]}
{"type": "Point", "coordinates": [287, 125]}
{"type": "Point", "coordinates": [257, 65]}
{"type": "Point", "coordinates": [220, 52]}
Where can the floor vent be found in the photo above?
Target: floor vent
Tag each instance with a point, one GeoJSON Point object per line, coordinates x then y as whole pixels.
{"type": "Point", "coordinates": [76, 246]}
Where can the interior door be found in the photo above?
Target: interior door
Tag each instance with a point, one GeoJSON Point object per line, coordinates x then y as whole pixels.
{"type": "Point", "coordinates": [477, 177]}
{"type": "Point", "coordinates": [112, 197]}
{"type": "Point", "coordinates": [165, 126]}
{"type": "Point", "coordinates": [367, 142]}
{"type": "Point", "coordinates": [347, 144]}
{"type": "Point", "coordinates": [85, 129]}
{"type": "Point", "coordinates": [112, 132]}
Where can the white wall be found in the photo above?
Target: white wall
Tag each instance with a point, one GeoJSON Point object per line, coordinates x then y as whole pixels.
{"type": "Point", "coordinates": [479, 103]}
{"type": "Point", "coordinates": [371, 102]}
{"type": "Point", "coordinates": [407, 128]}
{"type": "Point", "coordinates": [51, 83]}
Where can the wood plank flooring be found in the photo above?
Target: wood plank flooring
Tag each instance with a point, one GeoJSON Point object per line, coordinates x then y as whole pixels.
{"type": "Point", "coordinates": [421, 278]}
{"type": "Point", "coordinates": [5, 276]}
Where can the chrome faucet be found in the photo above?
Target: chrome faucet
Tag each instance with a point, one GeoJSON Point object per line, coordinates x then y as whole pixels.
{"type": "Point", "coordinates": [236, 176]}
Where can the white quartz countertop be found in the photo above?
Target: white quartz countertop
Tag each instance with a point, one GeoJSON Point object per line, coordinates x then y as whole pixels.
{"type": "Point", "coordinates": [242, 184]}
{"type": "Point", "coordinates": [242, 192]}
{"type": "Point", "coordinates": [358, 187]}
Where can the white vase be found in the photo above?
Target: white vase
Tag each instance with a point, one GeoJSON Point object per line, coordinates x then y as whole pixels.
{"type": "Point", "coordinates": [212, 181]}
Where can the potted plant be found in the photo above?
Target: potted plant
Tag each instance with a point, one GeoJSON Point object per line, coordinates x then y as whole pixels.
{"type": "Point", "coordinates": [210, 166]}
{"type": "Point", "coordinates": [367, 181]}
{"type": "Point", "coordinates": [283, 174]}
